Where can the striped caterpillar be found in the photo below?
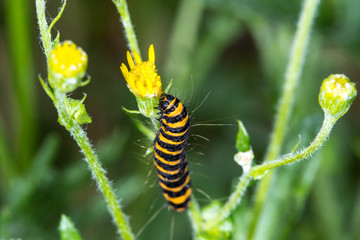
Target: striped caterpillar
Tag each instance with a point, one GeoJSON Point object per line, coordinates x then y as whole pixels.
{"type": "Point", "coordinates": [170, 153]}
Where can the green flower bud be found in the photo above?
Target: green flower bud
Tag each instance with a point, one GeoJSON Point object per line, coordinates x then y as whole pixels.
{"type": "Point", "coordinates": [336, 95]}
{"type": "Point", "coordinates": [67, 66]}
{"type": "Point", "coordinates": [245, 155]}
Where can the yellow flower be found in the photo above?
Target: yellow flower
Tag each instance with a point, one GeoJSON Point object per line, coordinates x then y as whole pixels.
{"type": "Point", "coordinates": [67, 65]}
{"type": "Point", "coordinates": [142, 79]}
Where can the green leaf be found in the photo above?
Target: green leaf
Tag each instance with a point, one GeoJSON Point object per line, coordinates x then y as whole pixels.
{"type": "Point", "coordinates": [67, 229]}
{"type": "Point", "coordinates": [242, 139]}
{"type": "Point", "coordinates": [47, 89]}
{"type": "Point", "coordinates": [78, 111]}
{"type": "Point", "coordinates": [57, 18]}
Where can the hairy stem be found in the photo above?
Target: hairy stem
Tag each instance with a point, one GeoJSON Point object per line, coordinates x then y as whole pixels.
{"type": "Point", "coordinates": [257, 171]}
{"type": "Point", "coordinates": [99, 174]}
{"type": "Point", "coordinates": [44, 32]}
{"type": "Point", "coordinates": [121, 6]}
{"type": "Point", "coordinates": [320, 138]}
{"type": "Point", "coordinates": [292, 76]}
{"type": "Point", "coordinates": [181, 51]}
{"type": "Point", "coordinates": [79, 134]}
{"type": "Point", "coordinates": [232, 202]}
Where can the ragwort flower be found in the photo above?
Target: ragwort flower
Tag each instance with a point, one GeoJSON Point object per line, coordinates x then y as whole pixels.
{"type": "Point", "coordinates": [142, 79]}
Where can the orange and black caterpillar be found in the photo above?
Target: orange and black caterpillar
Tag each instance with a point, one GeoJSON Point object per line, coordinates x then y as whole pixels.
{"type": "Point", "coordinates": [170, 152]}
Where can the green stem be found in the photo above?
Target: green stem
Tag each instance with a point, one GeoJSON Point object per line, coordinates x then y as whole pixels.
{"type": "Point", "coordinates": [181, 51]}
{"type": "Point", "coordinates": [233, 201]}
{"type": "Point", "coordinates": [292, 76]}
{"type": "Point", "coordinates": [121, 6]}
{"type": "Point", "coordinates": [79, 134]}
{"type": "Point", "coordinates": [7, 168]}
{"type": "Point", "coordinates": [103, 183]}
{"type": "Point", "coordinates": [22, 68]}
{"type": "Point", "coordinates": [44, 32]}
{"type": "Point", "coordinates": [195, 216]}
{"type": "Point", "coordinates": [257, 171]}
{"type": "Point", "coordinates": [320, 138]}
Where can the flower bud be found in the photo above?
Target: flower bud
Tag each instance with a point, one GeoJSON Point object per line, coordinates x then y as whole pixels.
{"type": "Point", "coordinates": [336, 95]}
{"type": "Point", "coordinates": [245, 155]}
{"type": "Point", "coordinates": [67, 66]}
{"type": "Point", "coordinates": [244, 159]}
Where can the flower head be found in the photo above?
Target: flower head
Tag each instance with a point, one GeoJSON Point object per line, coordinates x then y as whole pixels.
{"type": "Point", "coordinates": [67, 66]}
{"type": "Point", "coordinates": [337, 94]}
{"type": "Point", "coordinates": [142, 79]}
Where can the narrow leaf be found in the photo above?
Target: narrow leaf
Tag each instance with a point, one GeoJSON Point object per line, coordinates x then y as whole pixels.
{"type": "Point", "coordinates": [67, 229]}
{"type": "Point", "coordinates": [242, 139]}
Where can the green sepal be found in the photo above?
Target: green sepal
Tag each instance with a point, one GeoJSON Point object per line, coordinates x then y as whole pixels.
{"type": "Point", "coordinates": [67, 229]}
{"type": "Point", "coordinates": [147, 106]}
{"type": "Point", "coordinates": [56, 40]}
{"type": "Point", "coordinates": [46, 88]}
{"type": "Point", "coordinates": [221, 231]}
{"type": "Point", "coordinates": [242, 138]}
{"type": "Point", "coordinates": [131, 111]}
{"type": "Point", "coordinates": [85, 82]}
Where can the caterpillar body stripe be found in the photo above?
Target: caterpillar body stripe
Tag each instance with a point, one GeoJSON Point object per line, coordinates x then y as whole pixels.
{"type": "Point", "coordinates": [170, 153]}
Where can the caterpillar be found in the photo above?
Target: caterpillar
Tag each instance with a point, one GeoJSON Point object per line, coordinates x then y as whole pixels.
{"type": "Point", "coordinates": [170, 153]}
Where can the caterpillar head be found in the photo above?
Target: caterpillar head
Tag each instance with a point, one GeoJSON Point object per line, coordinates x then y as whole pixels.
{"type": "Point", "coordinates": [165, 100]}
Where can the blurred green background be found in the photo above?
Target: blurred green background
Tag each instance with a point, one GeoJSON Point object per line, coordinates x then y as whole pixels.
{"type": "Point", "coordinates": [227, 60]}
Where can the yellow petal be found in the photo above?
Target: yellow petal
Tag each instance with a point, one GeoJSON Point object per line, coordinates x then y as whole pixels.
{"type": "Point", "coordinates": [124, 71]}
{"type": "Point", "coordinates": [142, 78]}
{"type": "Point", "coordinates": [130, 60]}
{"type": "Point", "coordinates": [151, 54]}
{"type": "Point", "coordinates": [137, 57]}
